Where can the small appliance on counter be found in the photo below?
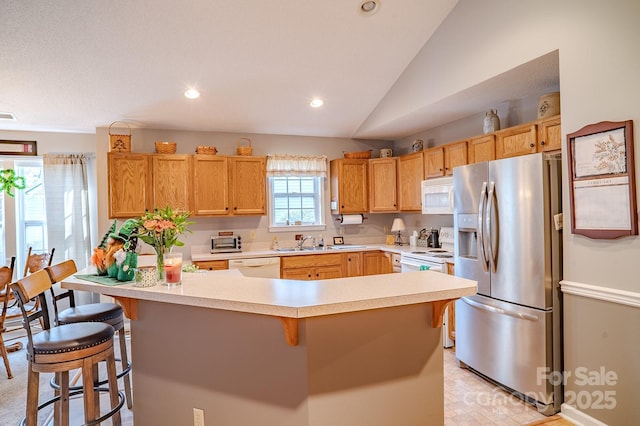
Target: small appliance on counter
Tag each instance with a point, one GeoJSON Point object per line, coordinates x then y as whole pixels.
{"type": "Point", "coordinates": [226, 243]}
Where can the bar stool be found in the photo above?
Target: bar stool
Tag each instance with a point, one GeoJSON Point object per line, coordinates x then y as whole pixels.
{"type": "Point", "coordinates": [61, 349]}
{"type": "Point", "coordinates": [6, 276]}
{"type": "Point", "coordinates": [109, 313]}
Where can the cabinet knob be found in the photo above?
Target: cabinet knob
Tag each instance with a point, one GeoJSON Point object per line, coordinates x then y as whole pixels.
{"type": "Point", "coordinates": [541, 142]}
{"type": "Point", "coordinates": [235, 208]}
{"type": "Point", "coordinates": [531, 145]}
{"type": "Point", "coordinates": [226, 208]}
{"type": "Point", "coordinates": [342, 207]}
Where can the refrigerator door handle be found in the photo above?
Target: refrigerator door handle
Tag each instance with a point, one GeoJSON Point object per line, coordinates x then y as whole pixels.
{"type": "Point", "coordinates": [515, 314]}
{"type": "Point", "coordinates": [480, 228]}
{"type": "Point", "coordinates": [491, 229]}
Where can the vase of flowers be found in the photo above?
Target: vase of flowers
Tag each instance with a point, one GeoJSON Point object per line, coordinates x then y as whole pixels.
{"type": "Point", "coordinates": [161, 229]}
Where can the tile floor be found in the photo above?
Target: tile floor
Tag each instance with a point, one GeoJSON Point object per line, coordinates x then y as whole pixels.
{"type": "Point", "coordinates": [471, 400]}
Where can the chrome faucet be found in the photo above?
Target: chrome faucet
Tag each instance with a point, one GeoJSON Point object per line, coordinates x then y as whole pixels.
{"type": "Point", "coordinates": [303, 239]}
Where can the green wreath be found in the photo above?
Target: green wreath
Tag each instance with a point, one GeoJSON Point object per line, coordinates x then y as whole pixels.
{"type": "Point", "coordinates": [9, 181]}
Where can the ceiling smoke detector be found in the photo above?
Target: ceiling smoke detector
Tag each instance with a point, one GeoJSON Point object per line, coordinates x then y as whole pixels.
{"type": "Point", "coordinates": [369, 7]}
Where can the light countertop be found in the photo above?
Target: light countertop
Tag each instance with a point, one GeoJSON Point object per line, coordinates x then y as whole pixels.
{"type": "Point", "coordinates": [200, 256]}
{"type": "Point", "coordinates": [230, 290]}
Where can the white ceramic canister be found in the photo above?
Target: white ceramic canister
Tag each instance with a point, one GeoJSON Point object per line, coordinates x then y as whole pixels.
{"type": "Point", "coordinates": [386, 152]}
{"type": "Point", "coordinates": [549, 105]}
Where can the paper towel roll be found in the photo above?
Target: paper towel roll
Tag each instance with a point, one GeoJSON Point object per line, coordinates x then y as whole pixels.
{"type": "Point", "coordinates": [351, 219]}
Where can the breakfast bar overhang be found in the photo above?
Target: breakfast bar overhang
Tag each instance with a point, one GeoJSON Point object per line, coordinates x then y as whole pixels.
{"type": "Point", "coordinates": [361, 350]}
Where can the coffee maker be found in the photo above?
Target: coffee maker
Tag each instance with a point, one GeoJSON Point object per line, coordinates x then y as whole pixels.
{"type": "Point", "coordinates": [433, 238]}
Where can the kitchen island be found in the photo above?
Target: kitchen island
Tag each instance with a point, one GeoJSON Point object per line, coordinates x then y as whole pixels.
{"type": "Point", "coordinates": [361, 350]}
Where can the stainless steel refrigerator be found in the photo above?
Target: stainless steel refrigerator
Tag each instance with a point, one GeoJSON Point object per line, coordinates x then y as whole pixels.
{"type": "Point", "coordinates": [506, 240]}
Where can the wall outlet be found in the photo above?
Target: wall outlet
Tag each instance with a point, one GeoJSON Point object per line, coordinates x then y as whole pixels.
{"type": "Point", "coordinates": [198, 417]}
{"type": "Point", "coordinates": [341, 230]}
{"type": "Point", "coordinates": [252, 235]}
{"type": "Point", "coordinates": [385, 229]}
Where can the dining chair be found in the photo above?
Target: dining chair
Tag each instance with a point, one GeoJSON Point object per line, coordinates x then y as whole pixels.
{"type": "Point", "coordinates": [6, 276]}
{"type": "Point", "coordinates": [63, 348]}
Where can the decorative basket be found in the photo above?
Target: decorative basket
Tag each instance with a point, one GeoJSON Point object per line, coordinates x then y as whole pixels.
{"type": "Point", "coordinates": [243, 149]}
{"type": "Point", "coordinates": [119, 143]}
{"type": "Point", "coordinates": [202, 149]}
{"type": "Point", "coordinates": [166, 147]}
{"type": "Point", "coordinates": [359, 154]}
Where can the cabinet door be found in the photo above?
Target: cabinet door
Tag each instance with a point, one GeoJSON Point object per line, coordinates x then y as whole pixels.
{"type": "Point", "coordinates": [550, 134]}
{"type": "Point", "coordinates": [212, 265]}
{"type": "Point", "coordinates": [482, 148]}
{"type": "Point", "coordinates": [349, 186]}
{"type": "Point", "coordinates": [434, 162]}
{"type": "Point", "coordinates": [383, 185]}
{"type": "Point", "coordinates": [455, 154]}
{"type": "Point", "coordinates": [410, 176]}
{"type": "Point", "coordinates": [518, 140]}
{"type": "Point", "coordinates": [328, 272]}
{"type": "Point", "coordinates": [172, 181]}
{"type": "Point", "coordinates": [376, 262]}
{"type": "Point", "coordinates": [353, 264]}
{"type": "Point", "coordinates": [129, 179]}
{"type": "Point", "coordinates": [304, 274]}
{"type": "Point", "coordinates": [248, 185]}
{"type": "Point", "coordinates": [210, 185]}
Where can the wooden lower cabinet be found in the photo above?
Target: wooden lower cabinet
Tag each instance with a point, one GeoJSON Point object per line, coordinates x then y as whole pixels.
{"type": "Point", "coordinates": [376, 262]}
{"type": "Point", "coordinates": [212, 265]}
{"type": "Point", "coordinates": [451, 316]}
{"type": "Point", "coordinates": [312, 267]}
{"type": "Point", "coordinates": [352, 264]}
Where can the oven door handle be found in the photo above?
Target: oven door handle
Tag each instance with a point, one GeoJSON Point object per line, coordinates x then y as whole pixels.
{"type": "Point", "coordinates": [416, 264]}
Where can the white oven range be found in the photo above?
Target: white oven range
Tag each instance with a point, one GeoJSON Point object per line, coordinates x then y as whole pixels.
{"type": "Point", "coordinates": [425, 258]}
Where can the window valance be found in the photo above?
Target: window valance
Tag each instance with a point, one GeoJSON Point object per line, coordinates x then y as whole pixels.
{"type": "Point", "coordinates": [296, 165]}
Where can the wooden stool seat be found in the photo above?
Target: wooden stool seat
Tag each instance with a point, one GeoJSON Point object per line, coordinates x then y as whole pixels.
{"type": "Point", "coordinates": [61, 349]}
{"type": "Point", "coordinates": [109, 313]}
{"type": "Point", "coordinates": [69, 338]}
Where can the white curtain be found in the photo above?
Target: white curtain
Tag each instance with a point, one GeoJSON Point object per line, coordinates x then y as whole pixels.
{"type": "Point", "coordinates": [67, 205]}
{"type": "Point", "coordinates": [296, 165]}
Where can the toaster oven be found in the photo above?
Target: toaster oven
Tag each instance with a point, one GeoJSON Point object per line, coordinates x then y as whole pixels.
{"type": "Point", "coordinates": [226, 244]}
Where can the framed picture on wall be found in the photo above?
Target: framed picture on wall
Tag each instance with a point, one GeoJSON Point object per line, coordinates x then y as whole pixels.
{"type": "Point", "coordinates": [18, 147]}
{"type": "Point", "coordinates": [602, 180]}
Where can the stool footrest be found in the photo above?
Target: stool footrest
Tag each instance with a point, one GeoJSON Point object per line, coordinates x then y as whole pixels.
{"type": "Point", "coordinates": [79, 392]}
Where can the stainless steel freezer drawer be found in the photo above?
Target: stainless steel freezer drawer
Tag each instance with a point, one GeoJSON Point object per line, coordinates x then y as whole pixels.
{"type": "Point", "coordinates": [507, 343]}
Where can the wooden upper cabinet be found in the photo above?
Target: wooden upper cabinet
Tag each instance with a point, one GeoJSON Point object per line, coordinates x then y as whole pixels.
{"type": "Point", "coordinates": [410, 177]}
{"type": "Point", "coordinates": [349, 186]}
{"type": "Point", "coordinates": [482, 148]}
{"type": "Point", "coordinates": [518, 140]}
{"type": "Point", "coordinates": [550, 134]}
{"type": "Point", "coordinates": [130, 184]}
{"type": "Point", "coordinates": [455, 154]}
{"type": "Point", "coordinates": [172, 181]}
{"type": "Point", "coordinates": [383, 185]}
{"type": "Point", "coordinates": [248, 183]}
{"type": "Point", "coordinates": [210, 185]}
{"type": "Point", "coordinates": [434, 162]}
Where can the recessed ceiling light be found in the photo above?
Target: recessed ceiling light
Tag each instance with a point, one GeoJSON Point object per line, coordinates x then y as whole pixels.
{"type": "Point", "coordinates": [192, 93]}
{"type": "Point", "coordinates": [316, 103]}
{"type": "Point", "coordinates": [369, 7]}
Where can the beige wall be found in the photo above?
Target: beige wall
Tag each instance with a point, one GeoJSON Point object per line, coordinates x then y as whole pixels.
{"type": "Point", "coordinates": [599, 59]}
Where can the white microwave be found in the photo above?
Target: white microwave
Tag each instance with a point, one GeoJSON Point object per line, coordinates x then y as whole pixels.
{"type": "Point", "coordinates": [437, 196]}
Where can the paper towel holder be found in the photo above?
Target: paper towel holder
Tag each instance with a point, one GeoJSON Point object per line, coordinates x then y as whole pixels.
{"type": "Point", "coordinates": [340, 218]}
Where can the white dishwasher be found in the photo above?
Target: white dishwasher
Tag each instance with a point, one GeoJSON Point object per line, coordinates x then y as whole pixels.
{"type": "Point", "coordinates": [262, 267]}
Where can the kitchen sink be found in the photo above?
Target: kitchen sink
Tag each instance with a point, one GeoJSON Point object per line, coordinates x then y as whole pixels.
{"type": "Point", "coordinates": [293, 249]}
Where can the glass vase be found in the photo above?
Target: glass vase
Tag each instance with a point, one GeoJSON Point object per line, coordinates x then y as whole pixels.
{"type": "Point", "coordinates": [161, 274]}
